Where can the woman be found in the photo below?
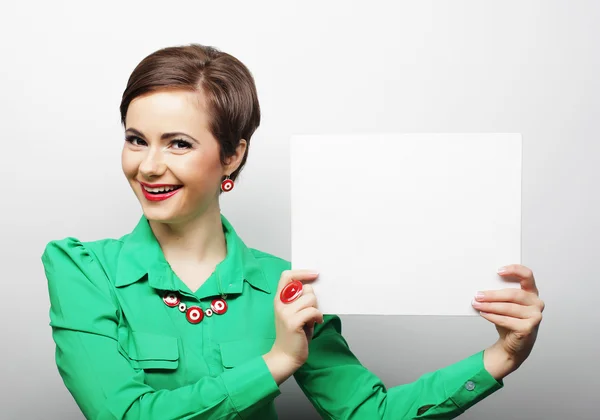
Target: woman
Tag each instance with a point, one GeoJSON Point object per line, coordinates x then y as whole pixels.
{"type": "Point", "coordinates": [179, 319]}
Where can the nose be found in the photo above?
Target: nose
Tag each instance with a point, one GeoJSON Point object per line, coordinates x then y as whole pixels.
{"type": "Point", "coordinates": [152, 165]}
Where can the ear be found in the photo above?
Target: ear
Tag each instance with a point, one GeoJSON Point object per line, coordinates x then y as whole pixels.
{"type": "Point", "coordinates": [234, 161]}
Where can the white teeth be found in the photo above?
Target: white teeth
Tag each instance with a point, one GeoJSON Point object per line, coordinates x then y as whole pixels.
{"type": "Point", "coordinates": [159, 189]}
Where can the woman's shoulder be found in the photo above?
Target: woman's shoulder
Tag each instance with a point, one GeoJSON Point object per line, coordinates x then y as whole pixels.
{"type": "Point", "coordinates": [73, 252]}
{"type": "Point", "coordinates": [269, 260]}
{"type": "Point", "coordinates": [76, 271]}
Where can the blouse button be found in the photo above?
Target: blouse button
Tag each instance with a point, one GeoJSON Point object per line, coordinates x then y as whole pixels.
{"type": "Point", "coordinates": [182, 307]}
{"type": "Point", "coordinates": [470, 385]}
{"type": "Point", "coordinates": [171, 299]}
{"type": "Point", "coordinates": [194, 314]}
{"type": "Point", "coordinates": [208, 312]}
{"type": "Point", "coordinates": [219, 306]}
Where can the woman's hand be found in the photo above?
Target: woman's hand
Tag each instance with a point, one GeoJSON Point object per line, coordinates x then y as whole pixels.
{"type": "Point", "coordinates": [294, 325]}
{"type": "Point", "coordinates": [517, 314]}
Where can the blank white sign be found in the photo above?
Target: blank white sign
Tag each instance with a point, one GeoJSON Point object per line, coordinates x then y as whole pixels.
{"type": "Point", "coordinates": [405, 224]}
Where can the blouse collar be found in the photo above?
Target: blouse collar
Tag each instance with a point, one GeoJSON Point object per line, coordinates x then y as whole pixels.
{"type": "Point", "coordinates": [142, 255]}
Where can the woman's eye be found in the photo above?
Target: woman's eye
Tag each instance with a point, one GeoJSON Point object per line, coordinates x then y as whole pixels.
{"type": "Point", "coordinates": [134, 140]}
{"type": "Point", "coordinates": [182, 144]}
{"type": "Point", "coordinates": [176, 144]}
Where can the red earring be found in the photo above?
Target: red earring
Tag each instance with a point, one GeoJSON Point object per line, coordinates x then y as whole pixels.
{"type": "Point", "coordinates": [227, 184]}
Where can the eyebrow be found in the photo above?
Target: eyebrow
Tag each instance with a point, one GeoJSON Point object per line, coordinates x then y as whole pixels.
{"type": "Point", "coordinates": [163, 136]}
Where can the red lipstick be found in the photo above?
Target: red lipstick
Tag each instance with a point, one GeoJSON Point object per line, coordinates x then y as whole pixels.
{"type": "Point", "coordinates": [159, 196]}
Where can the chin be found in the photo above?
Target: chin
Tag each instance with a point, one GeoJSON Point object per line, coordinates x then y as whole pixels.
{"type": "Point", "coordinates": [165, 214]}
{"type": "Point", "coordinates": [160, 212]}
{"type": "Point", "coordinates": [158, 216]}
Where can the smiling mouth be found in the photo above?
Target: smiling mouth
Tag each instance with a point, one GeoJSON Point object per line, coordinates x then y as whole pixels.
{"type": "Point", "coordinates": [161, 190]}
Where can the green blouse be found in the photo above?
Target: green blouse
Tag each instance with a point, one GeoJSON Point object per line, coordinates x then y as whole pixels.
{"type": "Point", "coordinates": [124, 354]}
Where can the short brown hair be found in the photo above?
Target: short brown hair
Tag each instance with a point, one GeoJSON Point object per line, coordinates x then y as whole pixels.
{"type": "Point", "coordinates": [227, 83]}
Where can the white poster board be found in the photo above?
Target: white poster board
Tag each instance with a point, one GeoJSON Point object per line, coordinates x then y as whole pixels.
{"type": "Point", "coordinates": [405, 224]}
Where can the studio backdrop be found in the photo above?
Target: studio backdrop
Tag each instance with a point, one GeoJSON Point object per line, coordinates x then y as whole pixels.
{"type": "Point", "coordinates": [321, 67]}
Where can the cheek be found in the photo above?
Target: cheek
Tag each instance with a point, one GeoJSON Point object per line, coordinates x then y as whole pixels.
{"type": "Point", "coordinates": [128, 164]}
{"type": "Point", "coordinates": [202, 171]}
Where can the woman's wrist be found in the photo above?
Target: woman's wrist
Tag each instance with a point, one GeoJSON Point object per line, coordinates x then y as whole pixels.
{"type": "Point", "coordinates": [497, 362]}
{"type": "Point", "coordinates": [280, 365]}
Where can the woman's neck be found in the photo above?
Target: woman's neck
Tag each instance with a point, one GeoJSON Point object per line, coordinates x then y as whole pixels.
{"type": "Point", "coordinates": [200, 240]}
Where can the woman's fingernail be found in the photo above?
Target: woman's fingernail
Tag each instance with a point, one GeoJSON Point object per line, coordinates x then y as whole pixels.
{"type": "Point", "coordinates": [474, 302]}
{"type": "Point", "coordinates": [502, 270]}
{"type": "Point", "coordinates": [479, 295]}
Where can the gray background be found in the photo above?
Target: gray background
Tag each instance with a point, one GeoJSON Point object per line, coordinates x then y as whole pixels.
{"type": "Point", "coordinates": [321, 67]}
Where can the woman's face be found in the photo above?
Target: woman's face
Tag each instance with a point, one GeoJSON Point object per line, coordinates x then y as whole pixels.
{"type": "Point", "coordinates": [170, 157]}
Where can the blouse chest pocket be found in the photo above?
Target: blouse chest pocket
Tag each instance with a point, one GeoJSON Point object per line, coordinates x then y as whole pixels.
{"type": "Point", "coordinates": [148, 350]}
{"type": "Point", "coordinates": [234, 353]}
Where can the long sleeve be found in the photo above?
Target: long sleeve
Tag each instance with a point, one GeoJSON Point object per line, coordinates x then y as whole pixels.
{"type": "Point", "coordinates": [84, 316]}
{"type": "Point", "coordinates": [339, 387]}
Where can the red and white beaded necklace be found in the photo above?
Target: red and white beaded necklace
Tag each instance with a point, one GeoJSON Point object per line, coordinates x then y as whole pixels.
{"type": "Point", "coordinates": [195, 314]}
